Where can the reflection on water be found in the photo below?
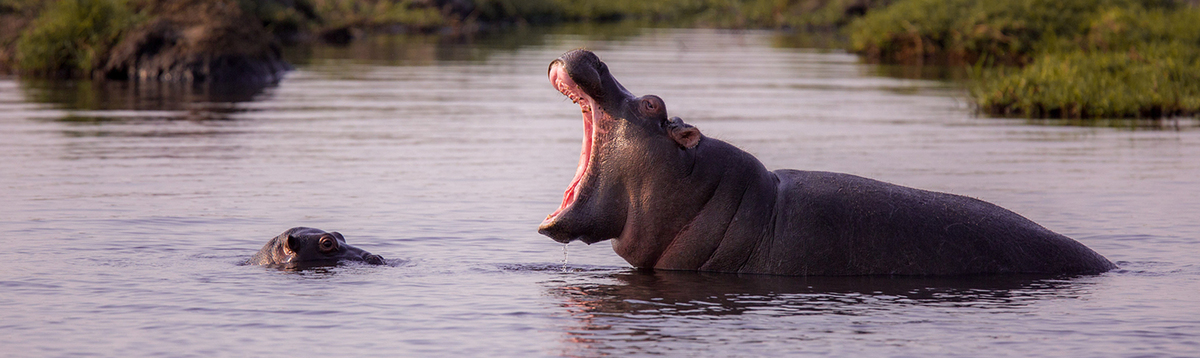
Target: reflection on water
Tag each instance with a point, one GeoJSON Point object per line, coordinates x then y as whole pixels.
{"type": "Point", "coordinates": [636, 298]}
{"type": "Point", "coordinates": [621, 313]}
{"type": "Point", "coordinates": [202, 99]}
{"type": "Point", "coordinates": [915, 72]}
{"type": "Point", "coordinates": [1169, 124]}
{"type": "Point", "coordinates": [685, 293]}
{"type": "Point", "coordinates": [90, 103]}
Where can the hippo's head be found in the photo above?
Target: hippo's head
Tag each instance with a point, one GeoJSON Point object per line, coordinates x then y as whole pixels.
{"type": "Point", "coordinates": [308, 247]}
{"type": "Point", "coordinates": [632, 168]}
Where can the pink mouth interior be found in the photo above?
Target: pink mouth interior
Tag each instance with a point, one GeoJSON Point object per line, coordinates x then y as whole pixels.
{"type": "Point", "coordinates": [591, 115]}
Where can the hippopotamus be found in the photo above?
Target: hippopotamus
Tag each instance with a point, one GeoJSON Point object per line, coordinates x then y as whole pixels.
{"type": "Point", "coordinates": [305, 247]}
{"type": "Point", "coordinates": [671, 198]}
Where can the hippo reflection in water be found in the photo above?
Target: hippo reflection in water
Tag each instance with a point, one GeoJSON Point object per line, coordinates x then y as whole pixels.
{"type": "Point", "coordinates": [671, 198]}
{"type": "Point", "coordinates": [307, 247]}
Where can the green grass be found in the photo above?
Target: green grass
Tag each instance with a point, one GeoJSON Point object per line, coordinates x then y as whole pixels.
{"type": "Point", "coordinates": [965, 31]}
{"type": "Point", "coordinates": [1146, 82]}
{"type": "Point", "coordinates": [70, 37]}
{"type": "Point", "coordinates": [1052, 58]}
{"type": "Point", "coordinates": [1126, 63]}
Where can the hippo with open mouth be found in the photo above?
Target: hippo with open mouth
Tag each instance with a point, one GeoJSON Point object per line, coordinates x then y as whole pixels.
{"type": "Point", "coordinates": [300, 247]}
{"type": "Point", "coordinates": [670, 198]}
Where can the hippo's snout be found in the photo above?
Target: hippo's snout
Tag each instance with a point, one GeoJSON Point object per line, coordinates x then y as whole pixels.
{"type": "Point", "coordinates": [357, 254]}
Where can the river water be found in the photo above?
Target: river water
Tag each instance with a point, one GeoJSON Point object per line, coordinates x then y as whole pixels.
{"type": "Point", "coordinates": [127, 210]}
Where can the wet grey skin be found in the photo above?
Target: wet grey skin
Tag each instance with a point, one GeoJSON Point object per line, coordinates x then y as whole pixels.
{"type": "Point", "coordinates": [309, 247]}
{"type": "Point", "coordinates": [670, 198]}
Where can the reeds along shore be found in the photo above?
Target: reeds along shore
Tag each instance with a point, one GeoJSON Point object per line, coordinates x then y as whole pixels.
{"type": "Point", "coordinates": [1033, 58]}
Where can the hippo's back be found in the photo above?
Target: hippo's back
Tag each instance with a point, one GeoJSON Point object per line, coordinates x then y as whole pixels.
{"type": "Point", "coordinates": [840, 224]}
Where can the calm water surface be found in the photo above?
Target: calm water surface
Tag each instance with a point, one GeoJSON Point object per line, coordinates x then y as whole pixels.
{"type": "Point", "coordinates": [127, 211]}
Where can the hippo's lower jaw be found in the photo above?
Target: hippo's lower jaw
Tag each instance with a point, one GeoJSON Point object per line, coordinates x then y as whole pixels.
{"type": "Point", "coordinates": [558, 235]}
{"type": "Point", "coordinates": [560, 229]}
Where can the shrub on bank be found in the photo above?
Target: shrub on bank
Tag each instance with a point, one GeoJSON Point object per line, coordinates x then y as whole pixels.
{"type": "Point", "coordinates": [71, 36]}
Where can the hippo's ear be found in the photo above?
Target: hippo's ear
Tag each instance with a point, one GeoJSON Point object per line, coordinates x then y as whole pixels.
{"type": "Point", "coordinates": [684, 134]}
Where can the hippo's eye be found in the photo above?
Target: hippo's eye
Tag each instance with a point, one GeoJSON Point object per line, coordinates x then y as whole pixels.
{"type": "Point", "coordinates": [649, 106]}
{"type": "Point", "coordinates": [327, 244]}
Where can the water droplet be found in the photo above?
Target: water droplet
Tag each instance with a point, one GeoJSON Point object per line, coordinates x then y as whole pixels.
{"type": "Point", "coordinates": [564, 267]}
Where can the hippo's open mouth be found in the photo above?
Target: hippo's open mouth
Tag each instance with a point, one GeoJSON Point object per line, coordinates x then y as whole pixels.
{"type": "Point", "coordinates": [593, 116]}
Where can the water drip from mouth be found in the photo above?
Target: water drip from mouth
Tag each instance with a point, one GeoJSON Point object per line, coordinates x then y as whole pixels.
{"type": "Point", "coordinates": [564, 266]}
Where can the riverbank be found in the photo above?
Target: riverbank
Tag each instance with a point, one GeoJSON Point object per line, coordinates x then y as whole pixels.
{"type": "Point", "coordinates": [194, 41]}
{"type": "Point", "coordinates": [1031, 58]}
{"type": "Point", "coordinates": [79, 38]}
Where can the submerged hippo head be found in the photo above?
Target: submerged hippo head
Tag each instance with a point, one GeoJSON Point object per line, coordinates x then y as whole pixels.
{"type": "Point", "coordinates": [635, 164]}
{"type": "Point", "coordinates": [305, 247]}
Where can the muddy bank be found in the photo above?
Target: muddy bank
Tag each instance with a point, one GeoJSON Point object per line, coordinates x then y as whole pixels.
{"type": "Point", "coordinates": [195, 41]}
